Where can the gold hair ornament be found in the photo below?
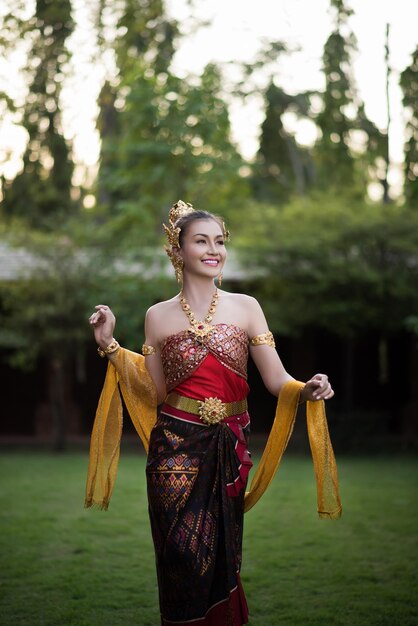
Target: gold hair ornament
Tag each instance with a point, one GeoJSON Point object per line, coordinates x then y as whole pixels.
{"type": "Point", "coordinates": [227, 234]}
{"type": "Point", "coordinates": [177, 211]}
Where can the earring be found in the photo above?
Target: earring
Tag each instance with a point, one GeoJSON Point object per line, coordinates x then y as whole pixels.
{"type": "Point", "coordinates": [178, 267]}
{"type": "Point", "coordinates": [220, 277]}
{"type": "Point", "coordinates": [177, 263]}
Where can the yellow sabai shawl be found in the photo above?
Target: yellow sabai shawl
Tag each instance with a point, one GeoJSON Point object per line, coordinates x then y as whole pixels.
{"type": "Point", "coordinates": [127, 374]}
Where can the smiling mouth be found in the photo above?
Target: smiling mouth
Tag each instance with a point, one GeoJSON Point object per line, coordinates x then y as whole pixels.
{"type": "Point", "coordinates": [212, 262]}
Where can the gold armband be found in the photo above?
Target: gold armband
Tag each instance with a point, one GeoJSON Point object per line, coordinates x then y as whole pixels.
{"type": "Point", "coordinates": [147, 350]}
{"type": "Point", "coordinates": [112, 347]}
{"type": "Point", "coordinates": [265, 339]}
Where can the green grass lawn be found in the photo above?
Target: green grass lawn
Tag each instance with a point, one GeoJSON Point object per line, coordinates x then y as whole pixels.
{"type": "Point", "coordinates": [64, 565]}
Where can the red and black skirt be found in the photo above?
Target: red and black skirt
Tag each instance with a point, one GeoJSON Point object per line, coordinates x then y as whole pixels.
{"type": "Point", "coordinates": [196, 478]}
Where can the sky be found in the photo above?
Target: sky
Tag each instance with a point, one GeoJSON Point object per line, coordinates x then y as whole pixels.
{"type": "Point", "coordinates": [235, 31]}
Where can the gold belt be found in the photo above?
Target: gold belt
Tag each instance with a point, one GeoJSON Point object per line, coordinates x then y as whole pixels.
{"type": "Point", "coordinates": [210, 411]}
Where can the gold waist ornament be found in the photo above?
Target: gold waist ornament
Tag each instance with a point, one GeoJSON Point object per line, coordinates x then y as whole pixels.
{"type": "Point", "coordinates": [211, 410]}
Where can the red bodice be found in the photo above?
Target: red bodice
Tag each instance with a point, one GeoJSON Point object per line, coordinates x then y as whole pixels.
{"type": "Point", "coordinates": [213, 366]}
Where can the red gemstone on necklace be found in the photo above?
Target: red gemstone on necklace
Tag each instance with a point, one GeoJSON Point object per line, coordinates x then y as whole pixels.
{"type": "Point", "coordinates": [200, 327]}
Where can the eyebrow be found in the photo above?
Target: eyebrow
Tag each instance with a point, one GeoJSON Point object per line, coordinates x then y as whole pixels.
{"type": "Point", "coordinates": [205, 235]}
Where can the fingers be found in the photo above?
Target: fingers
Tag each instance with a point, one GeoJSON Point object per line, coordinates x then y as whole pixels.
{"type": "Point", "coordinates": [329, 395]}
{"type": "Point", "coordinates": [99, 317]}
{"type": "Point", "coordinates": [323, 389]}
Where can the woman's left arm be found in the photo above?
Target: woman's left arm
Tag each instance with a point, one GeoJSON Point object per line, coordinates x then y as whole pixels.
{"type": "Point", "coordinates": [270, 365]}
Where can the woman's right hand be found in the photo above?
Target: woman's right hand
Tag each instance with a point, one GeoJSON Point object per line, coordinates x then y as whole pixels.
{"type": "Point", "coordinates": [103, 322]}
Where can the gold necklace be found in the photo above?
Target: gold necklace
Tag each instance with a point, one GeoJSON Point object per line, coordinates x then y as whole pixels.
{"type": "Point", "coordinates": [203, 327]}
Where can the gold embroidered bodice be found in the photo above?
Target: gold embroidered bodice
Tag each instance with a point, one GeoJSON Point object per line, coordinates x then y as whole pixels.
{"type": "Point", "coordinates": [183, 352]}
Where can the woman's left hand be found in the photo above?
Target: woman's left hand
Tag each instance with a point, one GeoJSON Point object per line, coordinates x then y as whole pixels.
{"type": "Point", "coordinates": [317, 388]}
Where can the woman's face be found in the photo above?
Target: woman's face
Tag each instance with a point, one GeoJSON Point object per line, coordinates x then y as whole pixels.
{"type": "Point", "coordinates": [203, 248]}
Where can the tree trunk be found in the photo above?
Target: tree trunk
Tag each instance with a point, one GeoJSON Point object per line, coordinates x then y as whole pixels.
{"type": "Point", "coordinates": [348, 376]}
{"type": "Point", "coordinates": [57, 399]}
{"type": "Point", "coordinates": [385, 182]}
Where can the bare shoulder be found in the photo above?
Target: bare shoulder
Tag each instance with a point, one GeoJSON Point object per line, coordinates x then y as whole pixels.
{"type": "Point", "coordinates": [241, 300]}
{"type": "Point", "coordinates": [244, 311]}
{"type": "Point", "coordinates": [161, 309]}
{"type": "Point", "coordinates": [156, 319]}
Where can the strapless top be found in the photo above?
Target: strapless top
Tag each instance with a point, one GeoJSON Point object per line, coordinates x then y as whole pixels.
{"type": "Point", "coordinates": [183, 352]}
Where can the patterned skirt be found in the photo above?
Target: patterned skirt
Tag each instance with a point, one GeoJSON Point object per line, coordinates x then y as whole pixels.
{"type": "Point", "coordinates": [196, 477]}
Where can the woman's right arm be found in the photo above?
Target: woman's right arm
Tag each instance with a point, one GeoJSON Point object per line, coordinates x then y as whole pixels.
{"type": "Point", "coordinates": [104, 321]}
{"type": "Point", "coordinates": [153, 362]}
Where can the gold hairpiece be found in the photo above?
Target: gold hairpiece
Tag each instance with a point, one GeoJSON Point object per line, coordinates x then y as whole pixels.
{"type": "Point", "coordinates": [178, 210]}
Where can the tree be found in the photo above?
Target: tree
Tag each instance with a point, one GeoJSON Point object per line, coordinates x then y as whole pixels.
{"type": "Point", "coordinates": [40, 194]}
{"type": "Point", "coordinates": [350, 145]}
{"type": "Point", "coordinates": [330, 262]}
{"type": "Point", "coordinates": [44, 308]}
{"type": "Point", "coordinates": [172, 136]}
{"type": "Point", "coordinates": [143, 32]}
{"type": "Point", "coordinates": [42, 314]}
{"type": "Point", "coordinates": [282, 166]}
{"type": "Point", "coordinates": [409, 85]}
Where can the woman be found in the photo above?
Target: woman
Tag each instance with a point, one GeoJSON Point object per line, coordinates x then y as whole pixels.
{"type": "Point", "coordinates": [196, 353]}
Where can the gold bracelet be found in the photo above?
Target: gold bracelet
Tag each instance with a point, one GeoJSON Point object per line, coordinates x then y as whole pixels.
{"type": "Point", "coordinates": [147, 350]}
{"type": "Point", "coordinates": [112, 347]}
{"type": "Point", "coordinates": [265, 339]}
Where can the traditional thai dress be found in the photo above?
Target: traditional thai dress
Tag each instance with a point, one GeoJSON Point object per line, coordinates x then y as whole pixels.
{"type": "Point", "coordinates": [197, 465]}
{"type": "Point", "coordinates": [196, 475]}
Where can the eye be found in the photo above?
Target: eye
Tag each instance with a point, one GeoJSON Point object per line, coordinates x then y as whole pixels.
{"type": "Point", "coordinates": [221, 242]}
{"type": "Point", "coordinates": [200, 240]}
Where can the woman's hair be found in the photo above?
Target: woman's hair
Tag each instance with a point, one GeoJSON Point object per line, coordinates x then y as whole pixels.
{"type": "Point", "coordinates": [184, 222]}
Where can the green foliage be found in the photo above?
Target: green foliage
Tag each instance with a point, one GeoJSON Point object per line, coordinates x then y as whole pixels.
{"type": "Point", "coordinates": [350, 148]}
{"type": "Point", "coordinates": [172, 142]}
{"type": "Point", "coordinates": [327, 261]}
{"type": "Point", "coordinates": [148, 34]}
{"type": "Point", "coordinates": [333, 156]}
{"type": "Point", "coordinates": [41, 192]}
{"type": "Point", "coordinates": [350, 145]}
{"type": "Point", "coordinates": [409, 85]}
{"type": "Point", "coordinates": [164, 137]}
{"type": "Point", "coordinates": [44, 307]}
{"type": "Point", "coordinates": [282, 167]}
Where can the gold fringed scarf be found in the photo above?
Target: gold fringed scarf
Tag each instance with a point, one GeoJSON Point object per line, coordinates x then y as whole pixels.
{"type": "Point", "coordinates": [329, 504]}
{"type": "Point", "coordinates": [127, 372]}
